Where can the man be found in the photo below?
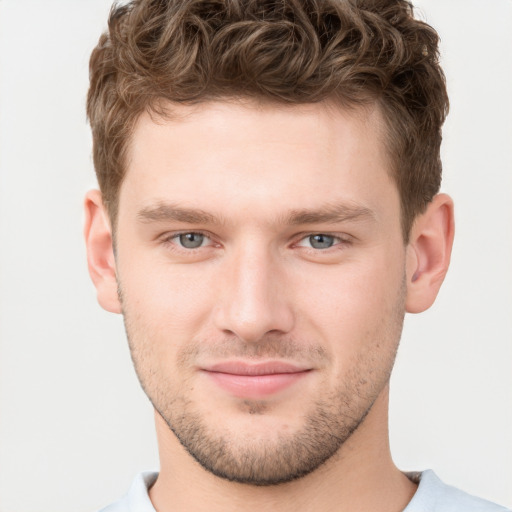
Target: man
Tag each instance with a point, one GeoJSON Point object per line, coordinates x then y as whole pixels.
{"type": "Point", "coordinates": [269, 210]}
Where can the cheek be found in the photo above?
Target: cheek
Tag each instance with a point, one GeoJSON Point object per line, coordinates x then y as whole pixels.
{"type": "Point", "coordinates": [164, 308]}
{"type": "Point", "coordinates": [164, 305]}
{"type": "Point", "coordinates": [360, 305]}
{"type": "Point", "coordinates": [174, 292]}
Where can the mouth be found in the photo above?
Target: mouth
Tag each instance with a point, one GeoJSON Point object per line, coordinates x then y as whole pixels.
{"type": "Point", "coordinates": [257, 381]}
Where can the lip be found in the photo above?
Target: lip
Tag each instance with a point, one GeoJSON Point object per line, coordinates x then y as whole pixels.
{"type": "Point", "coordinates": [260, 380]}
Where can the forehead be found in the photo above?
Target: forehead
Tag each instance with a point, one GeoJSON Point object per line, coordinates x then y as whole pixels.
{"type": "Point", "coordinates": [253, 122]}
{"type": "Point", "coordinates": [254, 155]}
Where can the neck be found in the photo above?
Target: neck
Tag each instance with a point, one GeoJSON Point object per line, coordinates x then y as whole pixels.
{"type": "Point", "coordinates": [360, 477]}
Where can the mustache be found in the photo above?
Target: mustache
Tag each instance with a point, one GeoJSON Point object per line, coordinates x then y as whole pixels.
{"type": "Point", "coordinates": [268, 347]}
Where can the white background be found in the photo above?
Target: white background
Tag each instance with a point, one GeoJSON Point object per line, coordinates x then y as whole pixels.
{"type": "Point", "coordinates": [74, 425]}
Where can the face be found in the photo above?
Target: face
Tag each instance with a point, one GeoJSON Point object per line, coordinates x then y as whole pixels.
{"type": "Point", "coordinates": [260, 264]}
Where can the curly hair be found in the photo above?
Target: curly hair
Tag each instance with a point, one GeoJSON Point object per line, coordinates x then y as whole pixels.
{"type": "Point", "coordinates": [355, 52]}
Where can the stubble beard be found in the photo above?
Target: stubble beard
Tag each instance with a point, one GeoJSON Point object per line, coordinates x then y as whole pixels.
{"type": "Point", "coordinates": [275, 460]}
{"type": "Point", "coordinates": [279, 458]}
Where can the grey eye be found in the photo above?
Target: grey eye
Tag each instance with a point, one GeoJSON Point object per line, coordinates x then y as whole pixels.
{"type": "Point", "coordinates": [321, 241]}
{"type": "Point", "coordinates": [191, 240]}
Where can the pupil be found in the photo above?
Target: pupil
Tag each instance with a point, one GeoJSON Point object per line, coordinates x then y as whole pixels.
{"type": "Point", "coordinates": [191, 240]}
{"type": "Point", "coordinates": [321, 241]}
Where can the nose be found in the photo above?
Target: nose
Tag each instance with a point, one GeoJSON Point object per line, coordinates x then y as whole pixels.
{"type": "Point", "coordinates": [253, 300]}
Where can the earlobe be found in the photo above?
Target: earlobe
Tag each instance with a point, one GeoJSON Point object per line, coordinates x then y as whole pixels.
{"type": "Point", "coordinates": [428, 253]}
{"type": "Point", "coordinates": [100, 253]}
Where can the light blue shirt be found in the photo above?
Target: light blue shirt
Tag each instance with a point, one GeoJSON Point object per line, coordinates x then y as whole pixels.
{"type": "Point", "coordinates": [432, 495]}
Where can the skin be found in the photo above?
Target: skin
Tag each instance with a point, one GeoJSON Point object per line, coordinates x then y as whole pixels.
{"type": "Point", "coordinates": [256, 182]}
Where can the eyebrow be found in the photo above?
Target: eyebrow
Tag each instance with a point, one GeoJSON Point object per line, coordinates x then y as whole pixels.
{"type": "Point", "coordinates": [170, 212]}
{"type": "Point", "coordinates": [330, 214]}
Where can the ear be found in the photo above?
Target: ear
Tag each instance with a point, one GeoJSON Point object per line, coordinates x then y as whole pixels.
{"type": "Point", "coordinates": [428, 253]}
{"type": "Point", "coordinates": [100, 252]}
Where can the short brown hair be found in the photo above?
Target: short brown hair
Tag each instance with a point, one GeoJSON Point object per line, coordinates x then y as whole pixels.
{"type": "Point", "coordinates": [292, 51]}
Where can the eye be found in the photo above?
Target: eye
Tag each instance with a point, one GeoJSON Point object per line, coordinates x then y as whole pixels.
{"type": "Point", "coordinates": [191, 240]}
{"type": "Point", "coordinates": [319, 241]}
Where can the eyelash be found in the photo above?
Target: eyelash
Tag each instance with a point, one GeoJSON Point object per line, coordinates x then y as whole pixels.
{"type": "Point", "coordinates": [168, 239]}
{"type": "Point", "coordinates": [340, 242]}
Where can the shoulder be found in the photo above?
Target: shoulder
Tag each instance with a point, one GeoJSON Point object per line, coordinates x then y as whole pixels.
{"type": "Point", "coordinates": [137, 498]}
{"type": "Point", "coordinates": [435, 496]}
